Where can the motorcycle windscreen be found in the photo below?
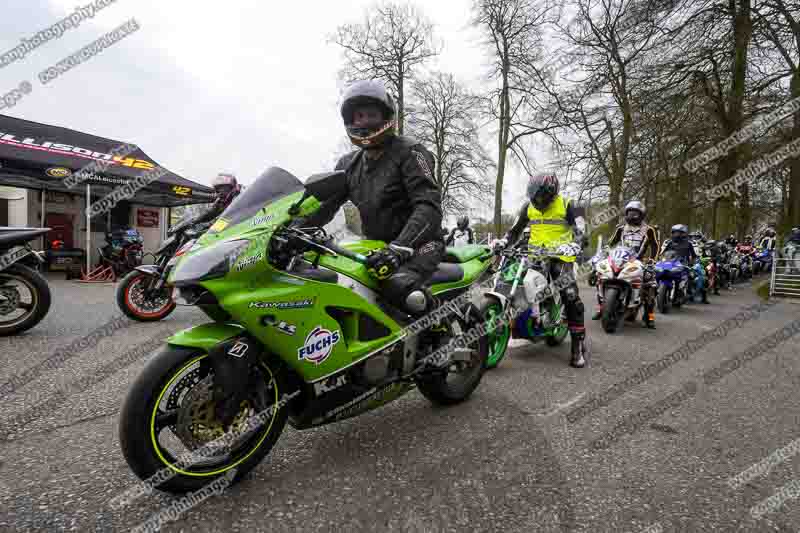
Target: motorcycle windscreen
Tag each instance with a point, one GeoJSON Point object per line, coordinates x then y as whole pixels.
{"type": "Point", "coordinates": [274, 184]}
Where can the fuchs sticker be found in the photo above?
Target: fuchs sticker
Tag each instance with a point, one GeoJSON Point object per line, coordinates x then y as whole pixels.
{"type": "Point", "coordinates": [281, 305]}
{"type": "Point", "coordinates": [318, 346]}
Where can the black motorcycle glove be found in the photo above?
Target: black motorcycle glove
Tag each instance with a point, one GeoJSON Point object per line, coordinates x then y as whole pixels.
{"type": "Point", "coordinates": [381, 264]}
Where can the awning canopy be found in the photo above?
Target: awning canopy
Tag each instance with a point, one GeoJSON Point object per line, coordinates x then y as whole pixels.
{"type": "Point", "coordinates": [39, 156]}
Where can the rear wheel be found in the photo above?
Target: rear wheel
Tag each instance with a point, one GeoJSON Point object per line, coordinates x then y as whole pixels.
{"type": "Point", "coordinates": [24, 299]}
{"type": "Point", "coordinates": [456, 383]}
{"type": "Point", "coordinates": [169, 412]}
{"type": "Point", "coordinates": [609, 318]}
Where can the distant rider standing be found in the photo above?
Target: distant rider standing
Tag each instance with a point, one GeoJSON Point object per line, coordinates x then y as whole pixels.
{"type": "Point", "coordinates": [462, 234]}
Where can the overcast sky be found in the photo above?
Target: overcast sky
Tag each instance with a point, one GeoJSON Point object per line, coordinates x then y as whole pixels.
{"type": "Point", "coordinates": [204, 87]}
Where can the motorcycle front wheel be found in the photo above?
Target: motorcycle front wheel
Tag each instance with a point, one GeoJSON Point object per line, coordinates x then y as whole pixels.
{"type": "Point", "coordinates": [662, 300]}
{"type": "Point", "coordinates": [609, 317]}
{"type": "Point", "coordinates": [497, 337]}
{"type": "Point", "coordinates": [169, 412]}
{"type": "Point", "coordinates": [132, 299]}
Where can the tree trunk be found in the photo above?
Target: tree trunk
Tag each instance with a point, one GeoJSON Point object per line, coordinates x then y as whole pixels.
{"type": "Point", "coordinates": [401, 108]}
{"type": "Point", "coordinates": [502, 141]}
{"type": "Point", "coordinates": [794, 163]}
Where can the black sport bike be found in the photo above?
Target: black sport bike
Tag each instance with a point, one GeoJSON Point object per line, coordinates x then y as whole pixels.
{"type": "Point", "coordinates": [144, 294]}
{"type": "Point", "coordinates": [24, 292]}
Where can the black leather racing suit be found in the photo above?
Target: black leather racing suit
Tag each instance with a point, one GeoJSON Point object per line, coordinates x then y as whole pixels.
{"type": "Point", "coordinates": [399, 202]}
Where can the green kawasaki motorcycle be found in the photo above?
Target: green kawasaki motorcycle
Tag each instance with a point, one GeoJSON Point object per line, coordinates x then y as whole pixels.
{"type": "Point", "coordinates": [523, 269]}
{"type": "Point", "coordinates": [299, 333]}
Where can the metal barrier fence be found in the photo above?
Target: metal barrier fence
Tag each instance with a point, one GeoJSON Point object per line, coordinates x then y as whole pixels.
{"type": "Point", "coordinates": [785, 280]}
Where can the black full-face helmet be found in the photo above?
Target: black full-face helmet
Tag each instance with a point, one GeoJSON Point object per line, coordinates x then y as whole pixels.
{"type": "Point", "coordinates": [463, 223]}
{"type": "Point", "coordinates": [542, 190]}
{"type": "Point", "coordinates": [369, 93]}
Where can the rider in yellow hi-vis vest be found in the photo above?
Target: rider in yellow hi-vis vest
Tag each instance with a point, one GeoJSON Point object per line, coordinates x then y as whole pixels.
{"type": "Point", "coordinates": [554, 224]}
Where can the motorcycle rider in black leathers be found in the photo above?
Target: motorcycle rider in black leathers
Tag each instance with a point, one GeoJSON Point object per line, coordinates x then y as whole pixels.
{"type": "Point", "coordinates": [642, 239]}
{"type": "Point", "coordinates": [683, 247]}
{"type": "Point", "coordinates": [390, 180]}
{"type": "Point", "coordinates": [461, 234]}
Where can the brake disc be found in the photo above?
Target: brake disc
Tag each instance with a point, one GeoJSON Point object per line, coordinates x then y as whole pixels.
{"type": "Point", "coordinates": [197, 423]}
{"type": "Point", "coordinates": [9, 300]}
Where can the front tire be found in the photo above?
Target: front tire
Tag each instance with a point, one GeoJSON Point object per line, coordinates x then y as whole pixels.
{"type": "Point", "coordinates": [39, 305]}
{"type": "Point", "coordinates": [497, 337]}
{"type": "Point", "coordinates": [609, 318]}
{"type": "Point", "coordinates": [662, 300]}
{"type": "Point", "coordinates": [156, 403]}
{"type": "Point", "coordinates": [130, 288]}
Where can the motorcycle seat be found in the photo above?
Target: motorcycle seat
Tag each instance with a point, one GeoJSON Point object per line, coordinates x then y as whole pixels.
{"type": "Point", "coordinates": [446, 273]}
{"type": "Point", "coordinates": [462, 254]}
{"type": "Point", "coordinates": [10, 236]}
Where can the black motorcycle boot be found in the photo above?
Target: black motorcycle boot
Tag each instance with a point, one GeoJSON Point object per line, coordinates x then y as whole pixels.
{"type": "Point", "coordinates": [580, 352]}
{"type": "Point", "coordinates": [649, 319]}
{"type": "Point", "coordinates": [704, 296]}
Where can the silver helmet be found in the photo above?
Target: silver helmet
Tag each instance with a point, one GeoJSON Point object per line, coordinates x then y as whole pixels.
{"type": "Point", "coordinates": [637, 214]}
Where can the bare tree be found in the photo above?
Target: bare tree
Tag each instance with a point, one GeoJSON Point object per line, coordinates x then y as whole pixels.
{"type": "Point", "coordinates": [443, 119]}
{"type": "Point", "coordinates": [392, 40]}
{"type": "Point", "coordinates": [778, 21]}
{"type": "Point", "coordinates": [512, 32]}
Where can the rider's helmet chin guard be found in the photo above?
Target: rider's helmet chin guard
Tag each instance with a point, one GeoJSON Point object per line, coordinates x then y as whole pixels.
{"type": "Point", "coordinates": [369, 93]}
{"type": "Point", "coordinates": [542, 190]}
{"type": "Point", "coordinates": [635, 213]}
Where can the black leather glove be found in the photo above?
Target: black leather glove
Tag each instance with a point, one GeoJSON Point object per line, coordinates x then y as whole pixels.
{"type": "Point", "coordinates": [381, 264]}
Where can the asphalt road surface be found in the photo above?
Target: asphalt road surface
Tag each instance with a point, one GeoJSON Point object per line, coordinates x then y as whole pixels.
{"type": "Point", "coordinates": [506, 460]}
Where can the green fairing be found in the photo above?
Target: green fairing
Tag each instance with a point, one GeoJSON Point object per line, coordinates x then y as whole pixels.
{"type": "Point", "coordinates": [260, 282]}
{"type": "Point", "coordinates": [205, 336]}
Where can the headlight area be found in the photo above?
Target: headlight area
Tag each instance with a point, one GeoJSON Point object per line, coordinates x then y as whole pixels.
{"type": "Point", "coordinates": [214, 262]}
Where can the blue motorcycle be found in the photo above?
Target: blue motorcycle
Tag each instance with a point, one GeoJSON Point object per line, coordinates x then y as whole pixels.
{"type": "Point", "coordinates": [762, 261]}
{"type": "Point", "coordinates": [673, 282]}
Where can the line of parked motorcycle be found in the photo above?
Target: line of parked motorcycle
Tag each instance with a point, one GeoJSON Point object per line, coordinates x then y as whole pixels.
{"type": "Point", "coordinates": [620, 278]}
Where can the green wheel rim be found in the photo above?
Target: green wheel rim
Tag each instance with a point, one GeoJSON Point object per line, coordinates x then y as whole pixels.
{"type": "Point", "coordinates": [497, 337]}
